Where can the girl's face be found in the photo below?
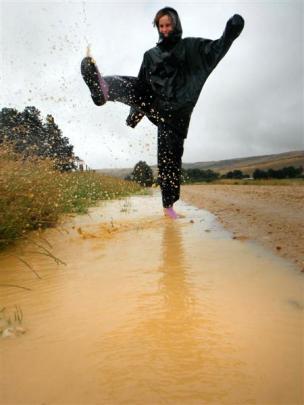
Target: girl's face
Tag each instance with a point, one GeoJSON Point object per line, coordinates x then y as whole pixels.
{"type": "Point", "coordinates": [165, 25]}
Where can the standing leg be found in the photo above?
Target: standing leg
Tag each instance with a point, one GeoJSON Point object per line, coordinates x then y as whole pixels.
{"type": "Point", "coordinates": [170, 151]}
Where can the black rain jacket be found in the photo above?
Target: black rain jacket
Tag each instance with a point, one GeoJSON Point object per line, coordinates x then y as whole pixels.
{"type": "Point", "coordinates": [176, 69]}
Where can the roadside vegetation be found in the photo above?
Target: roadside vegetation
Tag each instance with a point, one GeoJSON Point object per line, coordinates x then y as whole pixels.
{"type": "Point", "coordinates": [33, 193]}
{"type": "Point", "coordinates": [39, 180]}
{"type": "Point", "coordinates": [142, 174]}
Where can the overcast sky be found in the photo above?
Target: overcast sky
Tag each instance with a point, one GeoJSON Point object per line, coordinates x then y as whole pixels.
{"type": "Point", "coordinates": [252, 103]}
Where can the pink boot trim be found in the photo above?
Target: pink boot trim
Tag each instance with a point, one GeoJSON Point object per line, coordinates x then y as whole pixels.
{"type": "Point", "coordinates": [103, 85]}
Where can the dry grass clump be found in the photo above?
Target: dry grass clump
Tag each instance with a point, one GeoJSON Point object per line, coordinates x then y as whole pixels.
{"type": "Point", "coordinates": [33, 194]}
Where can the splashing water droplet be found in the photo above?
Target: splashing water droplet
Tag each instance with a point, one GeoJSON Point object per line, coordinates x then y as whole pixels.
{"type": "Point", "coordinates": [89, 50]}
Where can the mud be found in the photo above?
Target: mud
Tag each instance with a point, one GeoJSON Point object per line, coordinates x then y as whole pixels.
{"type": "Point", "coordinates": [150, 310]}
{"type": "Point", "coordinates": [270, 215]}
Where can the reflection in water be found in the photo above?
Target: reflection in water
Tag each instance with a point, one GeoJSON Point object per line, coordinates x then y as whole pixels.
{"type": "Point", "coordinates": [186, 332]}
{"type": "Point", "coordinates": [174, 286]}
{"type": "Point", "coordinates": [173, 346]}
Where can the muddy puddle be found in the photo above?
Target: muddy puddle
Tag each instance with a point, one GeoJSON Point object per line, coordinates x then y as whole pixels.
{"type": "Point", "coordinates": [150, 311]}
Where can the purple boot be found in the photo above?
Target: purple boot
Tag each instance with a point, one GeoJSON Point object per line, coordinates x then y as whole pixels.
{"type": "Point", "coordinates": [169, 212]}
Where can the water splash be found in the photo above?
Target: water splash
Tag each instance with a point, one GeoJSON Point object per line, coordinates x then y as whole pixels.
{"type": "Point", "coordinates": [88, 52]}
{"type": "Point", "coordinates": [85, 20]}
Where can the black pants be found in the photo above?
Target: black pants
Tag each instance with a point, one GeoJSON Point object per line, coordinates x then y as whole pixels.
{"type": "Point", "coordinates": [172, 127]}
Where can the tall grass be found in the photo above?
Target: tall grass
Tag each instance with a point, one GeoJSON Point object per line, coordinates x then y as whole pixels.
{"type": "Point", "coordinates": [34, 195]}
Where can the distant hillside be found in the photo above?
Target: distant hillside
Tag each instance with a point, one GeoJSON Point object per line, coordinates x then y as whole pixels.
{"type": "Point", "coordinates": [121, 173]}
{"type": "Point", "coordinates": [246, 165]}
{"type": "Point", "coordinates": [249, 164]}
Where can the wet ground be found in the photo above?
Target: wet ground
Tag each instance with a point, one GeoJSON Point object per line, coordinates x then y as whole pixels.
{"type": "Point", "coordinates": [269, 214]}
{"type": "Point", "coordinates": [150, 311]}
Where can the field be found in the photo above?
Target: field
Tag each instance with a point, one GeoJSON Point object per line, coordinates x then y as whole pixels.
{"type": "Point", "coordinates": [249, 164]}
{"type": "Point", "coordinates": [246, 165]}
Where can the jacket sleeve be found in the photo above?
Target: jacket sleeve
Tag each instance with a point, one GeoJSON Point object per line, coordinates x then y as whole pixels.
{"type": "Point", "coordinates": [213, 51]}
{"type": "Point", "coordinates": [135, 115]}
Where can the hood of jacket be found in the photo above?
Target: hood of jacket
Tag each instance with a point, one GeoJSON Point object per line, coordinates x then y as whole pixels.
{"type": "Point", "coordinates": [177, 32]}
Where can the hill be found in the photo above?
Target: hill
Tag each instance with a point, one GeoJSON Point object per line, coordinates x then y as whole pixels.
{"type": "Point", "coordinates": [246, 165]}
{"type": "Point", "coordinates": [249, 164]}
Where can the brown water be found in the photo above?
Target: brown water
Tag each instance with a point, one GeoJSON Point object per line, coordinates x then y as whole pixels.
{"type": "Point", "coordinates": [151, 311]}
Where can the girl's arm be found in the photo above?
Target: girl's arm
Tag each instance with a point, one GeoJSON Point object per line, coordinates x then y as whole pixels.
{"type": "Point", "coordinates": [213, 51]}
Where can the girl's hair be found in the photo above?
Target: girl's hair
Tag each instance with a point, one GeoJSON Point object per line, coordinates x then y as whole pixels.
{"type": "Point", "coordinates": [162, 13]}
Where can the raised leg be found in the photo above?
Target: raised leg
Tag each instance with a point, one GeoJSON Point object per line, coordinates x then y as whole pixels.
{"type": "Point", "coordinates": [125, 89]}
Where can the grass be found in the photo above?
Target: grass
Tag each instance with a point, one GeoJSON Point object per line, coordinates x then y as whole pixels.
{"type": "Point", "coordinates": [33, 195]}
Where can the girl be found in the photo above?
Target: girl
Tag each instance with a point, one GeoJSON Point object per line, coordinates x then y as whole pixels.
{"type": "Point", "coordinates": [166, 90]}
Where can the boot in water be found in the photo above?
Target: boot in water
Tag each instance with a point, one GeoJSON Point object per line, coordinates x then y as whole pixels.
{"type": "Point", "coordinates": [169, 212]}
{"type": "Point", "coordinates": [93, 79]}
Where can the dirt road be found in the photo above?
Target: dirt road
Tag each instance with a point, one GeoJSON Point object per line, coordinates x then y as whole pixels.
{"type": "Point", "coordinates": [271, 215]}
